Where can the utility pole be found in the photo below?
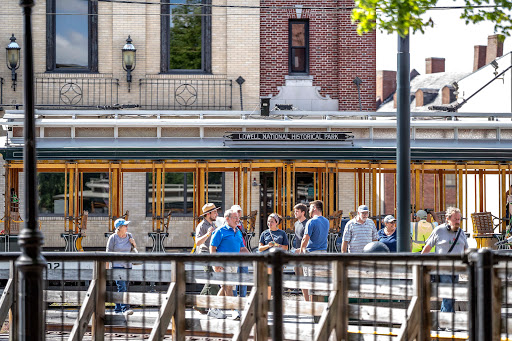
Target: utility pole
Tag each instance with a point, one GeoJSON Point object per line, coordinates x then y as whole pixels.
{"type": "Point", "coordinates": [403, 150]}
{"type": "Point", "coordinates": [31, 263]}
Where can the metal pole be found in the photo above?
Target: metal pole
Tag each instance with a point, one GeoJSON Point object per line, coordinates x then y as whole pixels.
{"type": "Point", "coordinates": [484, 295]}
{"type": "Point", "coordinates": [472, 297]}
{"type": "Point", "coordinates": [276, 259]}
{"type": "Point", "coordinates": [403, 150]}
{"type": "Point", "coordinates": [30, 263]}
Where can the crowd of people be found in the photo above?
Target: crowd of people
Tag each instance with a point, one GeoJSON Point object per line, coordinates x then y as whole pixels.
{"type": "Point", "coordinates": [310, 236]}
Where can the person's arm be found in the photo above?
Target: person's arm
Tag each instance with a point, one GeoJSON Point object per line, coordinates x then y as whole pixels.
{"type": "Point", "coordinates": [347, 237]}
{"type": "Point", "coordinates": [375, 236]}
{"type": "Point", "coordinates": [132, 241]}
{"type": "Point", "coordinates": [344, 247]}
{"type": "Point", "coordinates": [285, 242]}
{"type": "Point", "coordinates": [244, 250]}
{"type": "Point", "coordinates": [263, 247]}
{"type": "Point", "coordinates": [304, 243]}
{"type": "Point", "coordinates": [426, 249]}
{"type": "Point", "coordinates": [200, 240]}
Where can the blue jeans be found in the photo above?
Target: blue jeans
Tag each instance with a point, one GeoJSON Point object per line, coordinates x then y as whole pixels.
{"type": "Point", "coordinates": [122, 286]}
{"type": "Point", "coordinates": [241, 289]}
{"type": "Point", "coordinates": [447, 303]}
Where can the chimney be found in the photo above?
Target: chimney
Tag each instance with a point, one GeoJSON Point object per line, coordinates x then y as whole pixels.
{"type": "Point", "coordinates": [434, 65]}
{"type": "Point", "coordinates": [480, 53]}
{"type": "Point", "coordinates": [386, 84]}
{"type": "Point", "coordinates": [494, 48]}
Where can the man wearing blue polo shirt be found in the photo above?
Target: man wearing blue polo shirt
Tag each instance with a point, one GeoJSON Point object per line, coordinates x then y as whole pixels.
{"type": "Point", "coordinates": [227, 238]}
{"type": "Point", "coordinates": [316, 231]}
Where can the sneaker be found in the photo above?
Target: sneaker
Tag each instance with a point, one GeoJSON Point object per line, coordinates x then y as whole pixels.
{"type": "Point", "coordinates": [236, 315]}
{"type": "Point", "coordinates": [216, 313]}
{"type": "Point", "coordinates": [128, 312]}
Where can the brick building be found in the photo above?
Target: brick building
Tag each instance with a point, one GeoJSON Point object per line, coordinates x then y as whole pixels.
{"type": "Point", "coordinates": [314, 44]}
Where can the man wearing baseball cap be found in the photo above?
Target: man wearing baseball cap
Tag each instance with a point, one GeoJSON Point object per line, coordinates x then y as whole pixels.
{"type": "Point", "coordinates": [359, 231]}
{"type": "Point", "coordinates": [421, 230]}
{"type": "Point", "coordinates": [387, 235]}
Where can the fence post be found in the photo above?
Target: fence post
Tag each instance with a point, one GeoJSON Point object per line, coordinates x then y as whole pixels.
{"type": "Point", "coordinates": [276, 260]}
{"type": "Point", "coordinates": [98, 317]}
{"type": "Point", "coordinates": [178, 276]}
{"type": "Point", "coordinates": [486, 319]}
{"type": "Point", "coordinates": [472, 292]}
{"type": "Point", "coordinates": [13, 313]}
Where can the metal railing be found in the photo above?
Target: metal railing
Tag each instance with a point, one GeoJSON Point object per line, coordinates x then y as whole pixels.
{"type": "Point", "coordinates": [377, 296]}
{"type": "Point", "coordinates": [1, 90]}
{"type": "Point", "coordinates": [185, 94]}
{"type": "Point", "coordinates": [79, 92]}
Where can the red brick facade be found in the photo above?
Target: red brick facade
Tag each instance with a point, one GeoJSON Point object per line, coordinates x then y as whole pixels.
{"type": "Point", "coordinates": [337, 54]}
{"type": "Point", "coordinates": [427, 191]}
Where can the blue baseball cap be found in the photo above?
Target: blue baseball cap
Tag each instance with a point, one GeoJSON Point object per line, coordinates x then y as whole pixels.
{"type": "Point", "coordinates": [120, 222]}
{"type": "Point", "coordinates": [363, 208]}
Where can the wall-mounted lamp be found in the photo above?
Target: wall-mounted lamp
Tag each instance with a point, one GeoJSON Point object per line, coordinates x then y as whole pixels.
{"type": "Point", "coordinates": [255, 183]}
{"type": "Point", "coordinates": [129, 60]}
{"type": "Point", "coordinates": [13, 59]}
{"type": "Point", "coordinates": [495, 65]}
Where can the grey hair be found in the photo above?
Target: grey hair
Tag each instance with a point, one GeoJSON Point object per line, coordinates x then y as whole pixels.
{"type": "Point", "coordinates": [451, 210]}
{"type": "Point", "coordinates": [228, 213]}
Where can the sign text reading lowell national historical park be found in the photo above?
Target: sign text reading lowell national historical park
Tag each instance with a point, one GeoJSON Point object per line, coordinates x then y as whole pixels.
{"type": "Point", "coordinates": [295, 136]}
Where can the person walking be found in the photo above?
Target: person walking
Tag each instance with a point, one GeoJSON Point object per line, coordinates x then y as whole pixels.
{"type": "Point", "coordinates": [271, 238]}
{"type": "Point", "coordinates": [121, 241]}
{"type": "Point", "coordinates": [387, 235]}
{"type": "Point", "coordinates": [315, 239]}
{"type": "Point", "coordinates": [421, 230]}
{"type": "Point", "coordinates": [241, 290]}
{"type": "Point", "coordinates": [448, 238]}
{"type": "Point", "coordinates": [359, 232]}
{"type": "Point", "coordinates": [204, 231]}
{"type": "Point", "coordinates": [300, 211]}
{"type": "Point", "coordinates": [228, 238]}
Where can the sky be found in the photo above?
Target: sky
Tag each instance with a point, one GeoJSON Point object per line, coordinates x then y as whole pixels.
{"type": "Point", "coordinates": [450, 38]}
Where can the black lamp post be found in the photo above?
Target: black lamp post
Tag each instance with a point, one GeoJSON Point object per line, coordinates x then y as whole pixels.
{"type": "Point", "coordinates": [13, 59]}
{"type": "Point", "coordinates": [129, 60]}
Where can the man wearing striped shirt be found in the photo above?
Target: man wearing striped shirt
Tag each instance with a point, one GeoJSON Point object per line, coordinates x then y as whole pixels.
{"type": "Point", "coordinates": [359, 232]}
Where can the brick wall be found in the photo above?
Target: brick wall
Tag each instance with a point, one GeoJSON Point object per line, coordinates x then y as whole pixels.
{"type": "Point", "coordinates": [337, 54]}
{"type": "Point", "coordinates": [426, 192]}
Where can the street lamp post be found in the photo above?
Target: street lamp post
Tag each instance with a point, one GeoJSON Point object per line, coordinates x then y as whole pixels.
{"type": "Point", "coordinates": [31, 263]}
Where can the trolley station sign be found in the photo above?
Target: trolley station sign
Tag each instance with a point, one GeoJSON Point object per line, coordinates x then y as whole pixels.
{"type": "Point", "coordinates": [291, 137]}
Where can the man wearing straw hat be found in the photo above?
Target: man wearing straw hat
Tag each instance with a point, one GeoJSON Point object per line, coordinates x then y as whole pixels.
{"type": "Point", "coordinates": [204, 231]}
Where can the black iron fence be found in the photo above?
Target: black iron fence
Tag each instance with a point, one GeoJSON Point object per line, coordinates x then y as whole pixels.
{"type": "Point", "coordinates": [277, 295]}
{"type": "Point", "coordinates": [79, 92]}
{"type": "Point", "coordinates": [185, 94]}
{"type": "Point", "coordinates": [1, 90]}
